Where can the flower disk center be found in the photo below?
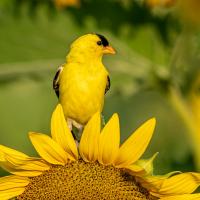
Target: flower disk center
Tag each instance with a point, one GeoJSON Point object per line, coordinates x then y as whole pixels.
{"type": "Point", "coordinates": [81, 180]}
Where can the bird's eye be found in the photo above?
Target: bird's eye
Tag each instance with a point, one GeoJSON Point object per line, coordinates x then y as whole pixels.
{"type": "Point", "coordinates": [99, 42]}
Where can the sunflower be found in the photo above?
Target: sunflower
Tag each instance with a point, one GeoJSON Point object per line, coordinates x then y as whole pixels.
{"type": "Point", "coordinates": [98, 169]}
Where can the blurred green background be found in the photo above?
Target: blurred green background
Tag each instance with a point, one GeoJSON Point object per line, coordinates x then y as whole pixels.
{"type": "Point", "coordinates": [155, 72]}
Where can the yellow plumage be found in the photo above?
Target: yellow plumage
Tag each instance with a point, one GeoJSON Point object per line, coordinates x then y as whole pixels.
{"type": "Point", "coordinates": [83, 79]}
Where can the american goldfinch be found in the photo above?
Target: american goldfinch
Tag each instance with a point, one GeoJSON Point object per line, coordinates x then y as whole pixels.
{"type": "Point", "coordinates": [82, 81]}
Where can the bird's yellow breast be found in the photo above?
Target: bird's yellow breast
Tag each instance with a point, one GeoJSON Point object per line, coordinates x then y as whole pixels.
{"type": "Point", "coordinates": [82, 89]}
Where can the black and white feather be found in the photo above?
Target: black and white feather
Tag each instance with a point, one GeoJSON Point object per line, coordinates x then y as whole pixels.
{"type": "Point", "coordinates": [107, 84]}
{"type": "Point", "coordinates": [56, 80]}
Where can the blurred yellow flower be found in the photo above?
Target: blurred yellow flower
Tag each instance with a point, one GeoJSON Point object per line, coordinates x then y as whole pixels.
{"type": "Point", "coordinates": [160, 3]}
{"type": "Point", "coordinates": [102, 169]}
{"type": "Point", "coordinates": [66, 3]}
{"type": "Point", "coordinates": [187, 9]}
{"type": "Point", "coordinates": [190, 11]}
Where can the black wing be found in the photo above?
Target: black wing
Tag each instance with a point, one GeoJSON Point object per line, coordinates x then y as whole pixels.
{"type": "Point", "coordinates": [107, 84]}
{"type": "Point", "coordinates": [56, 80]}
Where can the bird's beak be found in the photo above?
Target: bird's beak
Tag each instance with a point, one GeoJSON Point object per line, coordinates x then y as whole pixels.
{"type": "Point", "coordinates": [109, 50]}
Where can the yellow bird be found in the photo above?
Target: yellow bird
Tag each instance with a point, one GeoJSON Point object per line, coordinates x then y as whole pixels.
{"type": "Point", "coordinates": [82, 81]}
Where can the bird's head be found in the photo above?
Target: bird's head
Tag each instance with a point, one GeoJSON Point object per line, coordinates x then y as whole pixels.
{"type": "Point", "coordinates": [90, 46]}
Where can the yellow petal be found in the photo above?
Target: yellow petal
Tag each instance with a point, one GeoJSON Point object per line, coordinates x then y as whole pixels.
{"type": "Point", "coordinates": [13, 181]}
{"type": "Point", "coordinates": [147, 164]}
{"type": "Point", "coordinates": [32, 164]}
{"type": "Point", "coordinates": [61, 133]}
{"type": "Point", "coordinates": [11, 193]}
{"type": "Point", "coordinates": [90, 139]}
{"type": "Point", "coordinates": [184, 183]}
{"type": "Point", "coordinates": [15, 162]}
{"type": "Point", "coordinates": [12, 186]}
{"type": "Point", "coordinates": [35, 165]}
{"type": "Point", "coordinates": [109, 141]}
{"type": "Point", "coordinates": [5, 150]}
{"type": "Point", "coordinates": [135, 170]}
{"type": "Point", "coordinates": [19, 163]}
{"type": "Point", "coordinates": [49, 150]}
{"type": "Point", "coordinates": [132, 149]}
{"type": "Point", "coordinates": [20, 171]}
{"type": "Point", "coordinates": [154, 183]}
{"type": "Point", "coordinates": [151, 183]}
{"type": "Point", "coordinates": [182, 197]}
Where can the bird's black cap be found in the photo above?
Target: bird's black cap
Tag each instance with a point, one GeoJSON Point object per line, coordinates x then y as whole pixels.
{"type": "Point", "coordinates": [104, 41]}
